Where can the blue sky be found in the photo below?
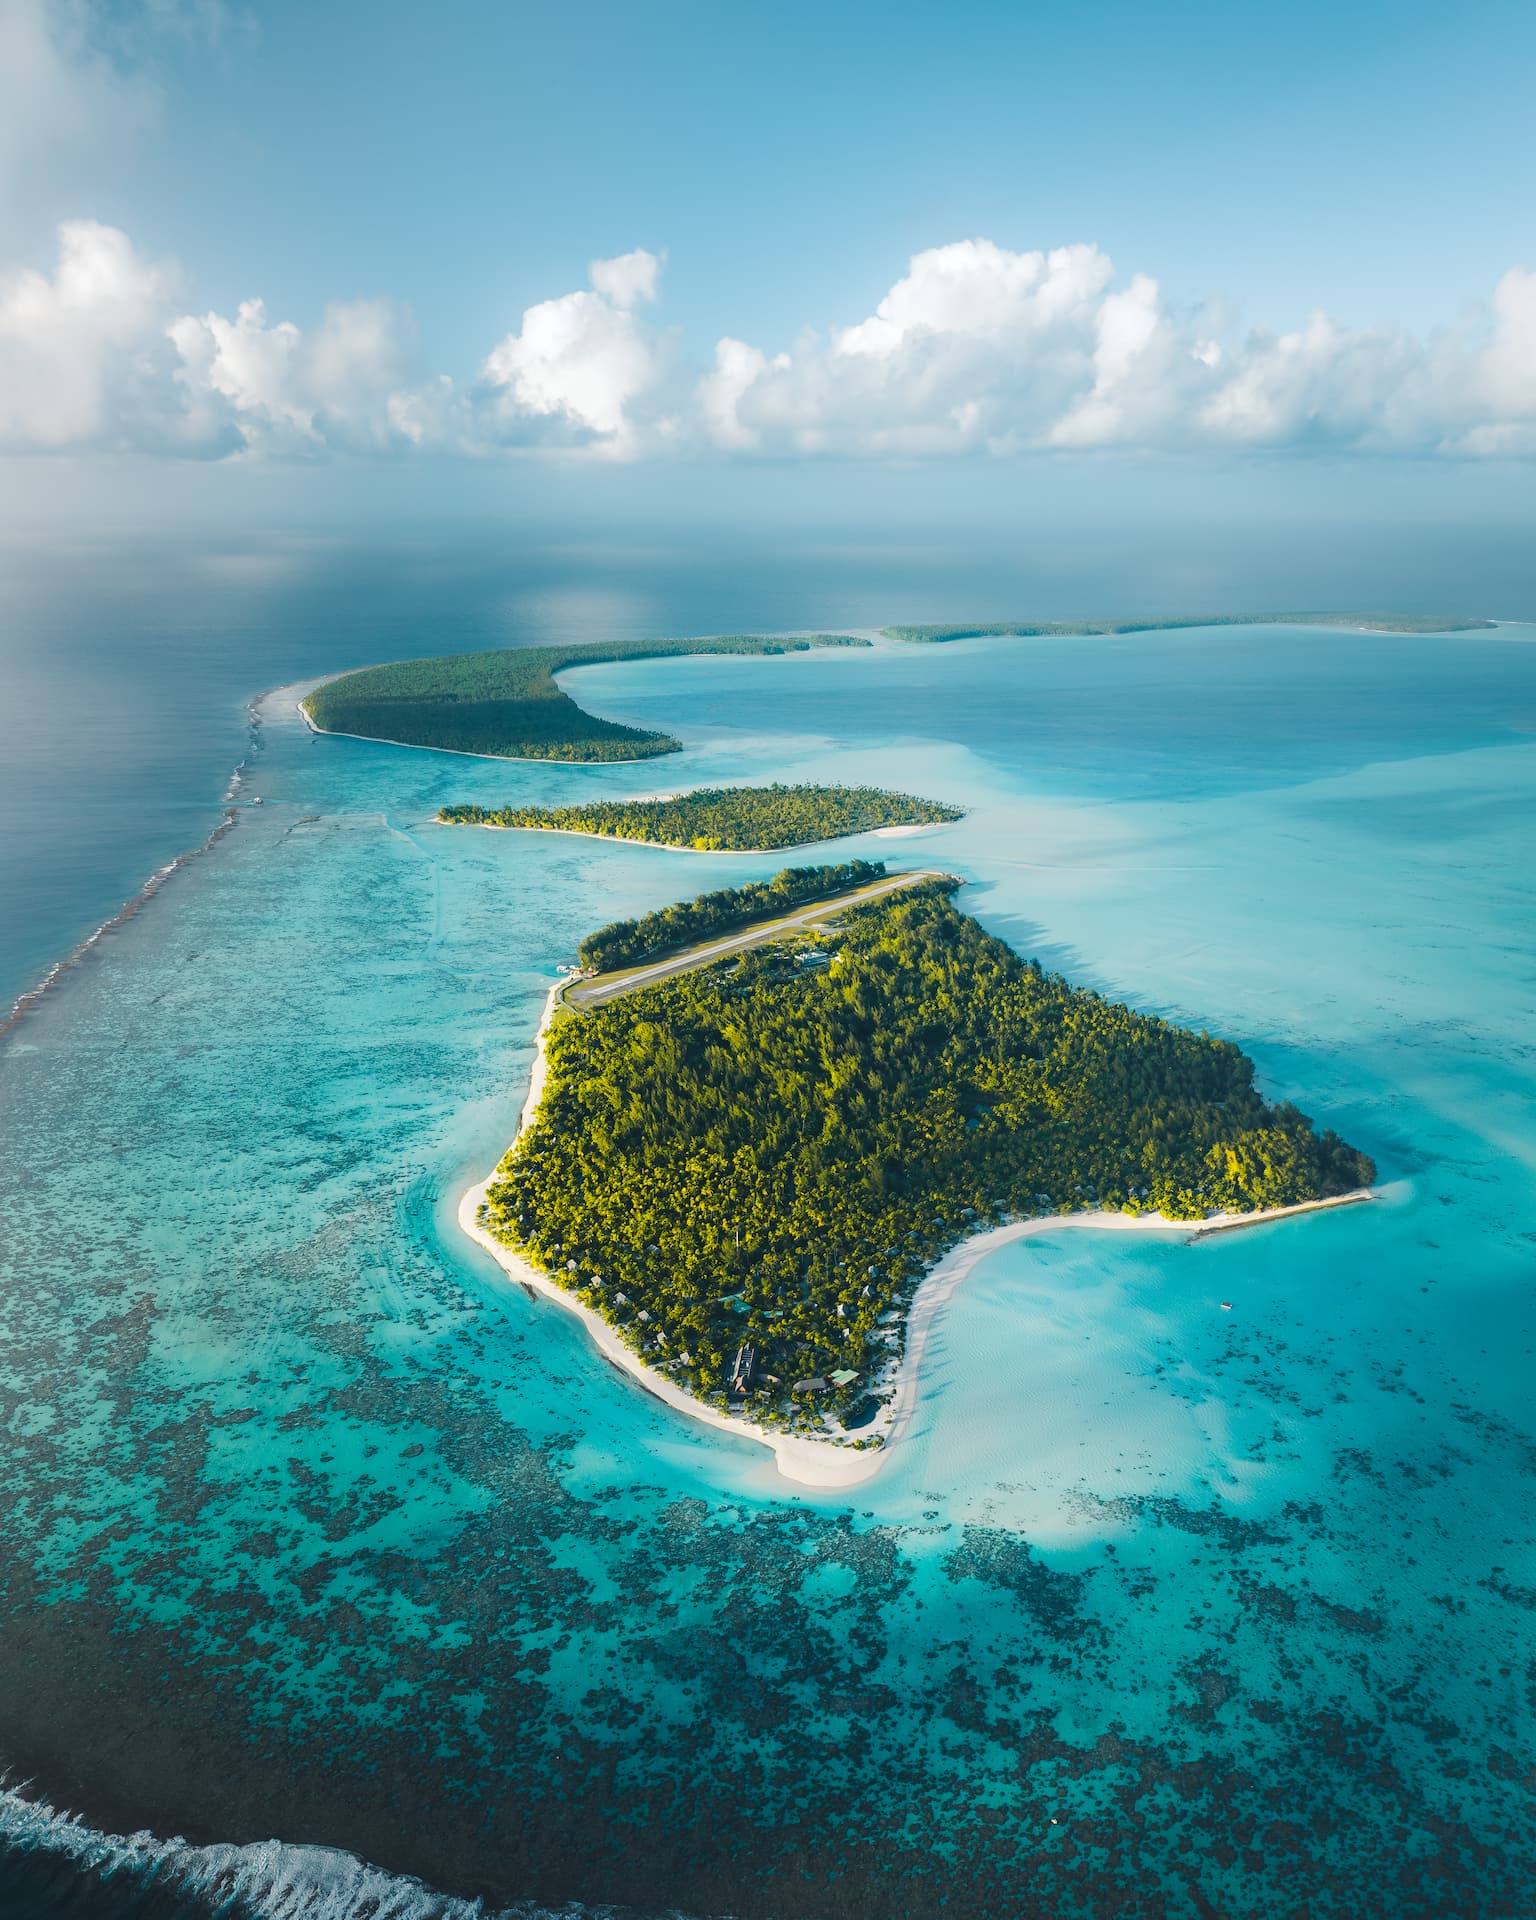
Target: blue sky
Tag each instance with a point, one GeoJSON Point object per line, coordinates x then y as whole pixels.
{"type": "Point", "coordinates": [1372, 159]}
{"type": "Point", "coordinates": [998, 237]}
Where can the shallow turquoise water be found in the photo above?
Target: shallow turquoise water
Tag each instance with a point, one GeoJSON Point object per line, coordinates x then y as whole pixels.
{"type": "Point", "coordinates": [317, 1528]}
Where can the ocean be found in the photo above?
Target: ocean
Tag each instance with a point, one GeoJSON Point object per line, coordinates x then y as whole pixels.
{"type": "Point", "coordinates": [339, 1577]}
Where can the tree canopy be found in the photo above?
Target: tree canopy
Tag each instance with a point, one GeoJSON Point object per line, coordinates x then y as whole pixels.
{"type": "Point", "coordinates": [629, 943]}
{"type": "Point", "coordinates": [725, 819]}
{"type": "Point", "coordinates": [773, 1149]}
{"type": "Point", "coordinates": [506, 703]}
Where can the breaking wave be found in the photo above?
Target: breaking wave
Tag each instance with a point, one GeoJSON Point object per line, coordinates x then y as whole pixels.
{"type": "Point", "coordinates": [25, 1002]}
{"type": "Point", "coordinates": [56, 1867]}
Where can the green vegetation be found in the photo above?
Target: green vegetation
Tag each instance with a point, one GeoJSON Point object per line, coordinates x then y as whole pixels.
{"type": "Point", "coordinates": [713, 819]}
{"type": "Point", "coordinates": [506, 704]}
{"type": "Point", "coordinates": [1070, 629]}
{"type": "Point", "coordinates": [630, 943]}
{"type": "Point", "coordinates": [771, 1150]}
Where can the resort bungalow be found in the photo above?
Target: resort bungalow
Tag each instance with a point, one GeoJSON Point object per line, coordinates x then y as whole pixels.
{"type": "Point", "coordinates": [744, 1368]}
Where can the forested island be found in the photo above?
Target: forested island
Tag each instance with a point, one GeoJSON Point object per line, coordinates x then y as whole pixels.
{"type": "Point", "coordinates": [630, 943]}
{"type": "Point", "coordinates": [723, 819]}
{"type": "Point", "coordinates": [1081, 629]}
{"type": "Point", "coordinates": [506, 704]}
{"type": "Point", "coordinates": [746, 1169]}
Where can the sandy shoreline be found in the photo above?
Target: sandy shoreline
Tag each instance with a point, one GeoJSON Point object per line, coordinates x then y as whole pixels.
{"type": "Point", "coordinates": [813, 1463]}
{"type": "Point", "coordinates": [939, 1286]}
{"type": "Point", "coordinates": [416, 746]}
{"type": "Point", "coordinates": [673, 846]}
{"type": "Point", "coordinates": [580, 833]}
{"type": "Point", "coordinates": [828, 1462]}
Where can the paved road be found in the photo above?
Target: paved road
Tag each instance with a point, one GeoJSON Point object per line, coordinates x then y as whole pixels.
{"type": "Point", "coordinates": [594, 993]}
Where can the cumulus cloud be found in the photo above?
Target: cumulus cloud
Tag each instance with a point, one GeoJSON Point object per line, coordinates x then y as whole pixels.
{"type": "Point", "coordinates": [629, 278]}
{"type": "Point", "coordinates": [976, 291]}
{"type": "Point", "coordinates": [576, 368]}
{"type": "Point", "coordinates": [83, 356]}
{"type": "Point", "coordinates": [97, 355]}
{"type": "Point", "coordinates": [979, 349]}
{"type": "Point", "coordinates": [974, 349]}
{"type": "Point", "coordinates": [1506, 372]}
{"type": "Point", "coordinates": [343, 385]}
{"type": "Point", "coordinates": [100, 353]}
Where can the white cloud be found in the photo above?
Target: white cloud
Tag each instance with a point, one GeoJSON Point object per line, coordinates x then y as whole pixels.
{"type": "Point", "coordinates": [83, 358]}
{"type": "Point", "coordinates": [737, 370]}
{"type": "Point", "coordinates": [977, 348]}
{"type": "Point", "coordinates": [578, 365]}
{"type": "Point", "coordinates": [973, 350]}
{"type": "Point", "coordinates": [1322, 383]}
{"type": "Point", "coordinates": [98, 355]}
{"type": "Point", "coordinates": [974, 290]}
{"type": "Point", "coordinates": [630, 277]}
{"type": "Point", "coordinates": [342, 386]}
{"type": "Point", "coordinates": [1505, 378]}
{"type": "Point", "coordinates": [1141, 372]}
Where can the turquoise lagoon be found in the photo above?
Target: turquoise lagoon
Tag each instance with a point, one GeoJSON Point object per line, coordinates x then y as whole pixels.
{"type": "Point", "coordinates": [316, 1529]}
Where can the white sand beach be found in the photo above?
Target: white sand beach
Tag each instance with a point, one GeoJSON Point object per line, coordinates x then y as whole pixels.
{"type": "Point", "coordinates": [674, 846]}
{"type": "Point", "coordinates": [940, 1286]}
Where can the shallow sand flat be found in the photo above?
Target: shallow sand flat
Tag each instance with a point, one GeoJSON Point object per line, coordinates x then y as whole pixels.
{"type": "Point", "coordinates": [829, 1463]}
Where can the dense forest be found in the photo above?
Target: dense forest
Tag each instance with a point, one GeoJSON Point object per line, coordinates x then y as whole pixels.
{"type": "Point", "coordinates": [506, 703]}
{"type": "Point", "coordinates": [629, 943]}
{"type": "Point", "coordinates": [1073, 629]}
{"type": "Point", "coordinates": [724, 819]}
{"type": "Point", "coordinates": [770, 1151]}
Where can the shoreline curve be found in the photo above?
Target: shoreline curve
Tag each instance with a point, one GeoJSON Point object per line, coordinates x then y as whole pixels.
{"type": "Point", "coordinates": [830, 1463]}
{"type": "Point", "coordinates": [463, 753]}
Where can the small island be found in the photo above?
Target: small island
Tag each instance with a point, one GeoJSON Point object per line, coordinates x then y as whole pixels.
{"type": "Point", "coordinates": [1084, 629]}
{"type": "Point", "coordinates": [723, 819]}
{"type": "Point", "coordinates": [506, 706]}
{"type": "Point", "coordinates": [741, 1172]}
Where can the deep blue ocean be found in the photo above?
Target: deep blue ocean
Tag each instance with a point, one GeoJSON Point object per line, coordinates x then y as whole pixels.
{"type": "Point", "coordinates": [339, 1578]}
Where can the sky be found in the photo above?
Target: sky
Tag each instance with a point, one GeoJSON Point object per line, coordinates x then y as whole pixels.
{"type": "Point", "coordinates": [851, 260]}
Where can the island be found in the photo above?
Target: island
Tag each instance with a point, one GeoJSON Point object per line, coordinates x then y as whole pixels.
{"type": "Point", "coordinates": [745, 1165]}
{"type": "Point", "coordinates": [723, 819]}
{"type": "Point", "coordinates": [1083, 629]}
{"type": "Point", "coordinates": [505, 705]}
